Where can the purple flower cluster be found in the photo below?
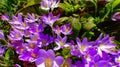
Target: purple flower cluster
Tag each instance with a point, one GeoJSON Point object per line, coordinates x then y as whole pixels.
{"type": "Point", "coordinates": [29, 39]}
{"type": "Point", "coordinates": [99, 53]}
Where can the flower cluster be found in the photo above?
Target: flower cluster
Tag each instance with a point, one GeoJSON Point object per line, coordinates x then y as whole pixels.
{"type": "Point", "coordinates": [29, 39]}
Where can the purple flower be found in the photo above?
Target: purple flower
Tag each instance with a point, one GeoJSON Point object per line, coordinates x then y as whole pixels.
{"type": "Point", "coordinates": [36, 29]}
{"type": "Point", "coordinates": [49, 4]}
{"type": "Point", "coordinates": [30, 45]}
{"type": "Point", "coordinates": [105, 44]}
{"type": "Point", "coordinates": [45, 40]}
{"type": "Point", "coordinates": [2, 50]}
{"type": "Point", "coordinates": [30, 55]}
{"type": "Point", "coordinates": [46, 4]}
{"type": "Point", "coordinates": [50, 19]}
{"type": "Point", "coordinates": [66, 29]}
{"type": "Point", "coordinates": [15, 35]}
{"type": "Point", "coordinates": [5, 17]}
{"type": "Point", "coordinates": [83, 46]}
{"type": "Point", "coordinates": [74, 49]}
{"type": "Point", "coordinates": [18, 45]}
{"type": "Point", "coordinates": [22, 26]}
{"type": "Point", "coordinates": [116, 16]}
{"type": "Point", "coordinates": [54, 4]}
{"type": "Point", "coordinates": [31, 18]}
{"type": "Point", "coordinates": [61, 42]}
{"type": "Point", "coordinates": [1, 35]}
{"type": "Point", "coordinates": [16, 20]}
{"type": "Point", "coordinates": [48, 59]}
{"type": "Point", "coordinates": [57, 30]}
{"type": "Point", "coordinates": [33, 38]}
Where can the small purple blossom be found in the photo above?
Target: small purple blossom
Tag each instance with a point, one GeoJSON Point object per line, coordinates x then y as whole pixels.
{"type": "Point", "coordinates": [83, 46]}
{"type": "Point", "coordinates": [15, 35]}
{"type": "Point", "coordinates": [49, 4]}
{"type": "Point", "coordinates": [31, 18]}
{"type": "Point", "coordinates": [46, 4]}
{"type": "Point", "coordinates": [50, 19]}
{"type": "Point", "coordinates": [16, 20]}
{"type": "Point", "coordinates": [116, 16]}
{"type": "Point", "coordinates": [105, 44]}
{"type": "Point", "coordinates": [66, 29]}
{"type": "Point", "coordinates": [54, 4]}
{"type": "Point", "coordinates": [30, 55]}
{"type": "Point", "coordinates": [61, 42]}
{"type": "Point", "coordinates": [48, 59]}
{"type": "Point", "coordinates": [74, 49]}
{"type": "Point", "coordinates": [57, 30]}
{"type": "Point", "coordinates": [5, 17]}
{"type": "Point", "coordinates": [45, 40]}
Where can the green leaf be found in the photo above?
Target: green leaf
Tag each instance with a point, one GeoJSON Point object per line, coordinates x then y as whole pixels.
{"type": "Point", "coordinates": [8, 54]}
{"type": "Point", "coordinates": [115, 3]}
{"type": "Point", "coordinates": [76, 25]}
{"type": "Point", "coordinates": [89, 24]}
{"type": "Point", "coordinates": [88, 34]}
{"type": "Point", "coordinates": [67, 7]}
{"type": "Point", "coordinates": [31, 3]}
{"type": "Point", "coordinates": [66, 52]}
{"type": "Point", "coordinates": [61, 20]}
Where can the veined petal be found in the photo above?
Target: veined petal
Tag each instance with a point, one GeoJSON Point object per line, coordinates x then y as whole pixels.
{"type": "Point", "coordinates": [59, 60]}
{"type": "Point", "coordinates": [39, 61]}
{"type": "Point", "coordinates": [99, 52]}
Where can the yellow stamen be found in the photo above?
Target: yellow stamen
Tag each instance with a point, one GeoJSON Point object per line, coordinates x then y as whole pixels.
{"type": "Point", "coordinates": [48, 62]}
{"type": "Point", "coordinates": [61, 43]}
{"type": "Point", "coordinates": [118, 60]}
{"type": "Point", "coordinates": [82, 47]}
